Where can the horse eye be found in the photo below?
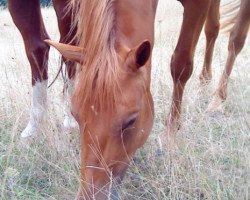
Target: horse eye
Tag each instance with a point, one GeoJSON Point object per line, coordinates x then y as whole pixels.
{"type": "Point", "coordinates": [128, 123]}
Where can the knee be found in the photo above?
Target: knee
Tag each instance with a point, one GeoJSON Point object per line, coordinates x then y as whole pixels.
{"type": "Point", "coordinates": [236, 43]}
{"type": "Point", "coordinates": [38, 54]}
{"type": "Point", "coordinates": [38, 50]}
{"type": "Point", "coordinates": [212, 31]}
{"type": "Point", "coordinates": [181, 68]}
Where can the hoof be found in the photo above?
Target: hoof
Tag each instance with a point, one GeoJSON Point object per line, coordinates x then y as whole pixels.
{"type": "Point", "coordinates": [205, 78]}
{"type": "Point", "coordinates": [215, 105]}
{"type": "Point", "coordinates": [70, 123]}
{"type": "Point", "coordinates": [30, 131]}
{"type": "Point", "coordinates": [204, 82]}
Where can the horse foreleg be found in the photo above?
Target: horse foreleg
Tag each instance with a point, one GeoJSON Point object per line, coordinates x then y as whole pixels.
{"type": "Point", "coordinates": [64, 19]}
{"type": "Point", "coordinates": [182, 59]}
{"type": "Point", "coordinates": [27, 17]}
{"type": "Point", "coordinates": [236, 42]}
{"type": "Point", "coordinates": [212, 26]}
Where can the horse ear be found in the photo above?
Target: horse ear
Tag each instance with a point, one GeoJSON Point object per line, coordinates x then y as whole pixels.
{"type": "Point", "coordinates": [138, 56]}
{"type": "Point", "coordinates": [70, 52]}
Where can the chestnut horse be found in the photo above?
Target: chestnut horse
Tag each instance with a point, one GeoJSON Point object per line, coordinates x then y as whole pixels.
{"type": "Point", "coordinates": [237, 39]}
{"type": "Point", "coordinates": [111, 102]}
{"type": "Point", "coordinates": [196, 14]}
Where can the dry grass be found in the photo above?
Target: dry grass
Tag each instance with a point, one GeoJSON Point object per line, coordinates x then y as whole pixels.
{"type": "Point", "coordinates": [213, 160]}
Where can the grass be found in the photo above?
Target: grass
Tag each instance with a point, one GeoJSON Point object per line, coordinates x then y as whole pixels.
{"type": "Point", "coordinates": [213, 161]}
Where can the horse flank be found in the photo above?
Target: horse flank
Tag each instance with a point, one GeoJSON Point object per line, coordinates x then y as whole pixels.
{"type": "Point", "coordinates": [97, 80]}
{"type": "Point", "coordinates": [229, 13]}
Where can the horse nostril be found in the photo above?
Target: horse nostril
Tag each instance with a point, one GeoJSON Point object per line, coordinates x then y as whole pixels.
{"type": "Point", "coordinates": [116, 186]}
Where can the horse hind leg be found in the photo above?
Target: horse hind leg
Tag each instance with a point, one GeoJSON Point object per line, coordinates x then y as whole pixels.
{"type": "Point", "coordinates": [236, 42]}
{"type": "Point", "coordinates": [27, 17]}
{"type": "Point", "coordinates": [212, 26]}
{"type": "Point", "coordinates": [67, 34]}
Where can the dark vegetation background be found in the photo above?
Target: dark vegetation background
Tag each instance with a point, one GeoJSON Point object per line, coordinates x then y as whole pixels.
{"type": "Point", "coordinates": [3, 3]}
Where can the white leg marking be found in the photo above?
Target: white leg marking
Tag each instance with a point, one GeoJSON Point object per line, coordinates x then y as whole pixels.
{"type": "Point", "coordinates": [38, 109]}
{"type": "Point", "coordinates": [69, 121]}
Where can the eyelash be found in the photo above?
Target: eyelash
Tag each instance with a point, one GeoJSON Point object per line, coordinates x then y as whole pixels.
{"type": "Point", "coordinates": [128, 124]}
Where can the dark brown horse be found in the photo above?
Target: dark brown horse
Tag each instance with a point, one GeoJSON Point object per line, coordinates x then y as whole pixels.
{"type": "Point", "coordinates": [27, 17]}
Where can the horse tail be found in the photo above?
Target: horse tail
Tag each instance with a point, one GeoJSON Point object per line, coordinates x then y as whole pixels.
{"type": "Point", "coordinates": [229, 14]}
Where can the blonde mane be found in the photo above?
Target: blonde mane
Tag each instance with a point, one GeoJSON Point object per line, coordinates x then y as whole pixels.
{"type": "Point", "coordinates": [97, 81]}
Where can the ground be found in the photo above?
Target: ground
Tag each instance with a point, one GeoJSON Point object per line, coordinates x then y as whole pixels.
{"type": "Point", "coordinates": [213, 158]}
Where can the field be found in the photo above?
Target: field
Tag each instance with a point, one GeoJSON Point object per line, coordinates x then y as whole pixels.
{"type": "Point", "coordinates": [213, 159]}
